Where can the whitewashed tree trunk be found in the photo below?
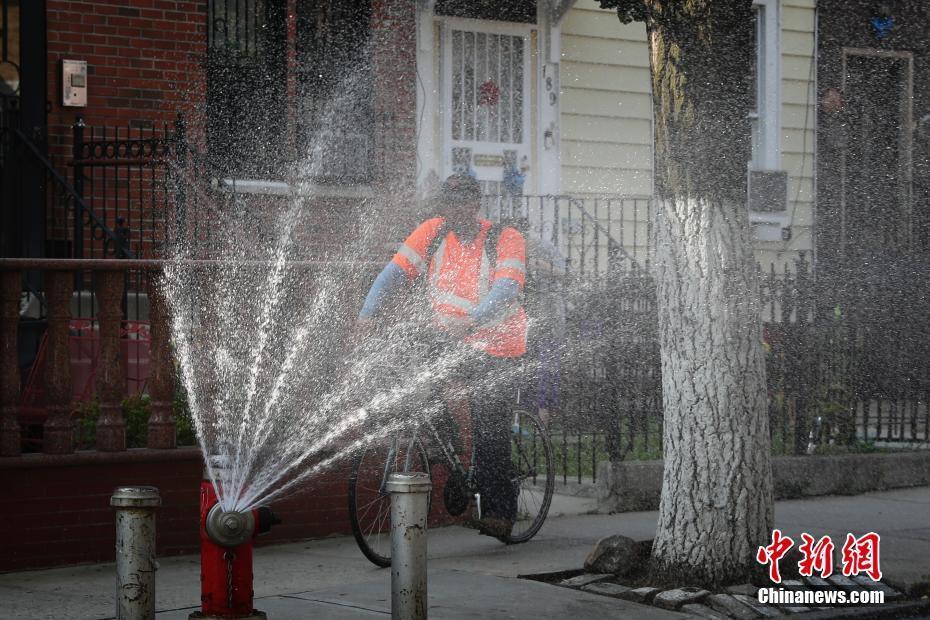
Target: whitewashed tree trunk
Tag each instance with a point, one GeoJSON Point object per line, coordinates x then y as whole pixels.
{"type": "Point", "coordinates": [716, 506]}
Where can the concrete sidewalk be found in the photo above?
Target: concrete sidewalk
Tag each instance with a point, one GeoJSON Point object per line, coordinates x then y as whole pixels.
{"type": "Point", "coordinates": [470, 575]}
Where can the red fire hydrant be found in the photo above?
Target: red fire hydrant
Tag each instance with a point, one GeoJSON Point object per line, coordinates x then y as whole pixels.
{"type": "Point", "coordinates": [226, 539]}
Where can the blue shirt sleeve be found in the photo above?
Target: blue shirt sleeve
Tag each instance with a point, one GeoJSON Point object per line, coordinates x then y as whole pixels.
{"type": "Point", "coordinates": [503, 292]}
{"type": "Point", "coordinates": [391, 279]}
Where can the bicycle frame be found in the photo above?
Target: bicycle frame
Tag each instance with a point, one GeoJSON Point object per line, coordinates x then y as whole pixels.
{"type": "Point", "coordinates": [445, 447]}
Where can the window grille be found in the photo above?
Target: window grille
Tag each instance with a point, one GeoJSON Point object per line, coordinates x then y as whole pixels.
{"type": "Point", "coordinates": [246, 87]}
{"type": "Point", "coordinates": [248, 105]}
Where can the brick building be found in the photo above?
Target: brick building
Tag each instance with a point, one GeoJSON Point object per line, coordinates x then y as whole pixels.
{"type": "Point", "coordinates": [249, 80]}
{"type": "Point", "coordinates": [102, 103]}
{"type": "Point", "coordinates": [106, 106]}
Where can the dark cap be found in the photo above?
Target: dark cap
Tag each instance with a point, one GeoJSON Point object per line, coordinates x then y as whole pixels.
{"type": "Point", "coordinates": [460, 189]}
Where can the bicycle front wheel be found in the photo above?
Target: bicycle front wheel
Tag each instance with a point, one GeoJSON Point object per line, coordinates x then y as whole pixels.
{"type": "Point", "coordinates": [369, 502]}
{"type": "Point", "coordinates": [533, 476]}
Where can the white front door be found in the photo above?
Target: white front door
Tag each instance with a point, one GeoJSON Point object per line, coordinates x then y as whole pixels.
{"type": "Point", "coordinates": [486, 101]}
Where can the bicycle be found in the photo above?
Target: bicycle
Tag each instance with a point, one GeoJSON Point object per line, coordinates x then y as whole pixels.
{"type": "Point", "coordinates": [532, 475]}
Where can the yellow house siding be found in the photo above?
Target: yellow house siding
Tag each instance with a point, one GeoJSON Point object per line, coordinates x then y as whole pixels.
{"type": "Point", "coordinates": [606, 113]}
{"type": "Point", "coordinates": [612, 78]}
{"type": "Point", "coordinates": [798, 125]}
{"type": "Point", "coordinates": [606, 180]}
{"type": "Point", "coordinates": [606, 104]}
{"type": "Point", "coordinates": [587, 19]}
{"type": "Point", "coordinates": [604, 51]}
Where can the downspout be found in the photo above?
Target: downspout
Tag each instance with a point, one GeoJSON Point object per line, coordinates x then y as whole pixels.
{"type": "Point", "coordinates": [427, 91]}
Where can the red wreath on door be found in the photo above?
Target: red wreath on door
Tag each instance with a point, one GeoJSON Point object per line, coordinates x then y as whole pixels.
{"type": "Point", "coordinates": [489, 93]}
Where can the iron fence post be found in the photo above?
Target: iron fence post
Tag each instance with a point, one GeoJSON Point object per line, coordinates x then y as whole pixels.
{"type": "Point", "coordinates": [135, 551]}
{"type": "Point", "coordinates": [409, 511]}
{"type": "Point", "coordinates": [77, 250]}
{"type": "Point", "coordinates": [180, 161]}
{"type": "Point", "coordinates": [121, 240]}
{"type": "Point", "coordinates": [804, 357]}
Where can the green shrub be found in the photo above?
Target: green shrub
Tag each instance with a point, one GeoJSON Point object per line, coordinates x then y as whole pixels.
{"type": "Point", "coordinates": [85, 427]}
{"type": "Point", "coordinates": [183, 422]}
{"type": "Point", "coordinates": [136, 412]}
{"type": "Point", "coordinates": [859, 447]}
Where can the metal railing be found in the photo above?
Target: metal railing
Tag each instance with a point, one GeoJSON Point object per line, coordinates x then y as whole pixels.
{"type": "Point", "coordinates": [42, 415]}
{"type": "Point", "coordinates": [64, 199]}
{"type": "Point", "coordinates": [838, 379]}
{"type": "Point", "coordinates": [593, 235]}
{"type": "Point", "coordinates": [124, 176]}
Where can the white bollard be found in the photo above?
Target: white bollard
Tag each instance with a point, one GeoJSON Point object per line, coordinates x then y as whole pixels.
{"type": "Point", "coordinates": [135, 551]}
{"type": "Point", "coordinates": [409, 508]}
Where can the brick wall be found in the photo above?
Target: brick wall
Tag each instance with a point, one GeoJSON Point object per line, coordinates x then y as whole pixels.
{"type": "Point", "coordinates": [393, 37]}
{"type": "Point", "coordinates": [55, 510]}
{"type": "Point", "coordinates": [144, 60]}
{"type": "Point", "coordinates": [145, 65]}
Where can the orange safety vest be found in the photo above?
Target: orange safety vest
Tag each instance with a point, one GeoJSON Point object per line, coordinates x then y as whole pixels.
{"type": "Point", "coordinates": [460, 276]}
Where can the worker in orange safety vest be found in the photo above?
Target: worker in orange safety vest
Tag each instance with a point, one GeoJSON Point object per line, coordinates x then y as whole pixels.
{"type": "Point", "coordinates": [476, 299]}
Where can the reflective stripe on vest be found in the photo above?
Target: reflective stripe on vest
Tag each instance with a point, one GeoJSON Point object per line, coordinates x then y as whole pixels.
{"type": "Point", "coordinates": [410, 254]}
{"type": "Point", "coordinates": [513, 263]}
{"type": "Point", "coordinates": [439, 295]}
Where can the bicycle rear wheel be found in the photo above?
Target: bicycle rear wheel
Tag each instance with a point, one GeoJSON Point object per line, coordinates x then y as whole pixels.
{"type": "Point", "coordinates": [369, 503]}
{"type": "Point", "coordinates": [533, 474]}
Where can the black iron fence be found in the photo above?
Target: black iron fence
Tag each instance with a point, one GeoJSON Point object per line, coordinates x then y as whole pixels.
{"type": "Point", "coordinates": [847, 363]}
{"type": "Point", "coordinates": [846, 359]}
{"type": "Point", "coordinates": [126, 178]}
{"type": "Point", "coordinates": [124, 174]}
{"type": "Point", "coordinates": [593, 364]}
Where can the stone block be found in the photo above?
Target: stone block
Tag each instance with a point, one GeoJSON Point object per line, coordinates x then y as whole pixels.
{"type": "Point", "coordinates": [794, 584]}
{"type": "Point", "coordinates": [744, 588]}
{"type": "Point", "coordinates": [606, 589]}
{"type": "Point", "coordinates": [639, 595]}
{"type": "Point", "coordinates": [615, 554]}
{"type": "Point", "coordinates": [793, 609]}
{"type": "Point", "coordinates": [753, 602]}
{"type": "Point", "coordinates": [890, 593]}
{"type": "Point", "coordinates": [675, 598]}
{"type": "Point", "coordinates": [843, 583]}
{"type": "Point", "coordinates": [636, 485]}
{"type": "Point", "coordinates": [702, 611]}
{"type": "Point", "coordinates": [583, 580]}
{"type": "Point", "coordinates": [729, 606]}
{"type": "Point", "coordinates": [818, 583]}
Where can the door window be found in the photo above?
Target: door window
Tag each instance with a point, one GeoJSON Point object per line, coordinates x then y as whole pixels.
{"type": "Point", "coordinates": [486, 89]}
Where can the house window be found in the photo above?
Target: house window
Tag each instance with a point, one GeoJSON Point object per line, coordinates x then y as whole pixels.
{"type": "Point", "coordinates": [246, 86]}
{"type": "Point", "coordinates": [765, 94]}
{"type": "Point", "coordinates": [335, 124]}
{"type": "Point", "coordinates": [521, 11]}
{"type": "Point", "coordinates": [249, 107]}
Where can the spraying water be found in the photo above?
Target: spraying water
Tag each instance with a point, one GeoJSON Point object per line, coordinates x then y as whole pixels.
{"type": "Point", "coordinates": [274, 390]}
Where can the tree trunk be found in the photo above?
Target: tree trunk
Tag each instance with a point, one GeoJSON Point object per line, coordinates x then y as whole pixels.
{"type": "Point", "coordinates": [716, 506]}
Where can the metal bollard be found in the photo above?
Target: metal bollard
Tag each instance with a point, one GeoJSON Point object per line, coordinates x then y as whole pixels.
{"type": "Point", "coordinates": [409, 507]}
{"type": "Point", "coordinates": [135, 551]}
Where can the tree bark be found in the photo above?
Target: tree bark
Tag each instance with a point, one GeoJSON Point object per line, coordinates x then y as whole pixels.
{"type": "Point", "coordinates": [716, 507]}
